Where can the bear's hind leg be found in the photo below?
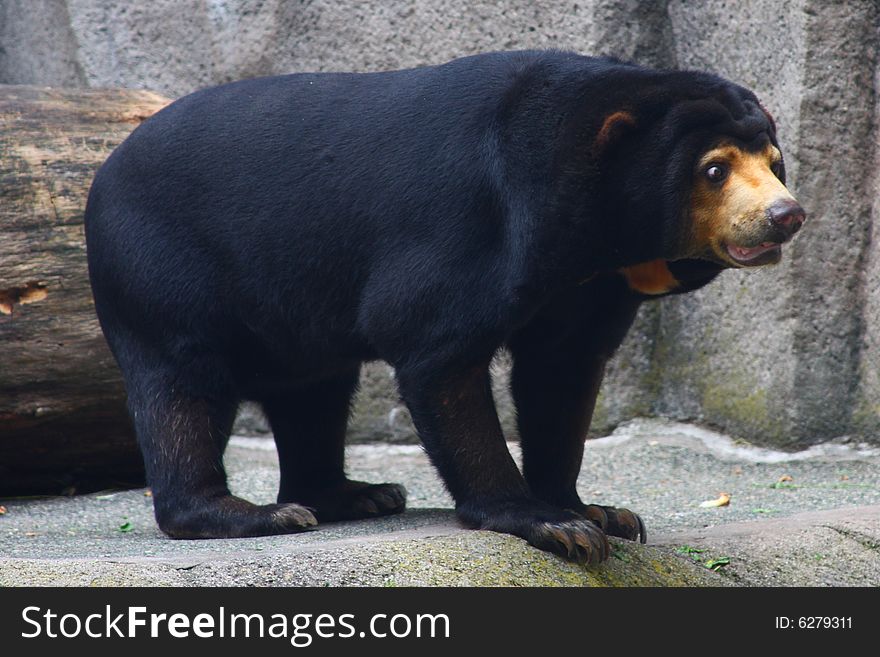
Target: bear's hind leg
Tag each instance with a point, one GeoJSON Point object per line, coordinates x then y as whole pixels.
{"type": "Point", "coordinates": [309, 427]}
{"type": "Point", "coordinates": [182, 437]}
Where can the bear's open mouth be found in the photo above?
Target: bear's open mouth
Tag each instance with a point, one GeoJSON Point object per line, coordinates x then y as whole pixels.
{"type": "Point", "coordinates": [762, 254]}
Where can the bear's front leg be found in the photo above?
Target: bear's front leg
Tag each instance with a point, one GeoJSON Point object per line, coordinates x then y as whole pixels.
{"type": "Point", "coordinates": [457, 422]}
{"type": "Point", "coordinates": [559, 361]}
{"type": "Point", "coordinates": [555, 402]}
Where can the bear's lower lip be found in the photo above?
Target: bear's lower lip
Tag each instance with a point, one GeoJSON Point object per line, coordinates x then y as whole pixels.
{"type": "Point", "coordinates": [752, 255]}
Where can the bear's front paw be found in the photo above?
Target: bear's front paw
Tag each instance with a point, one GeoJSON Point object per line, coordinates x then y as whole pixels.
{"type": "Point", "coordinates": [576, 540]}
{"type": "Point", "coordinates": [564, 533]}
{"type": "Point", "coordinates": [621, 523]}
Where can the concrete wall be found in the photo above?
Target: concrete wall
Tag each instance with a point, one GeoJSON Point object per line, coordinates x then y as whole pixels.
{"type": "Point", "coordinates": [784, 356]}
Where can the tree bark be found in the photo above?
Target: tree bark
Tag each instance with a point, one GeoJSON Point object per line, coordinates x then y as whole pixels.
{"type": "Point", "coordinates": [63, 421]}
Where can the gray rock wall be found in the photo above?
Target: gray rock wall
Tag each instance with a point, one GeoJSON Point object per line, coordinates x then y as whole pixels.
{"type": "Point", "coordinates": [777, 354]}
{"type": "Point", "coordinates": [784, 356]}
{"type": "Point", "coordinates": [866, 408]}
{"type": "Point", "coordinates": [176, 46]}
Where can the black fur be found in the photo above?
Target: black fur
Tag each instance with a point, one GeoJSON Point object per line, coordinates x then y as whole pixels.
{"type": "Point", "coordinates": [262, 239]}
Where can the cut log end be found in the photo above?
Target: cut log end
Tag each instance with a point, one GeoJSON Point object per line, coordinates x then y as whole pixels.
{"type": "Point", "coordinates": [63, 421]}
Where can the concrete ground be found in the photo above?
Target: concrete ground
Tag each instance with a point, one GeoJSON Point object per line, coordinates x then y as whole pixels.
{"type": "Point", "coordinates": [806, 518]}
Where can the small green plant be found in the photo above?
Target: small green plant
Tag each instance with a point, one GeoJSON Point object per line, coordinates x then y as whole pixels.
{"type": "Point", "coordinates": [717, 564]}
{"type": "Point", "coordinates": [692, 552]}
{"type": "Point", "coordinates": [617, 553]}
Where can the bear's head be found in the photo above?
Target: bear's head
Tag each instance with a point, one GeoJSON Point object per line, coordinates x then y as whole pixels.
{"type": "Point", "coordinates": [690, 162]}
{"type": "Point", "coordinates": [740, 211]}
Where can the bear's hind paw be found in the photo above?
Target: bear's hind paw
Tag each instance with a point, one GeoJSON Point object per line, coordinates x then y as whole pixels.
{"type": "Point", "coordinates": [356, 500]}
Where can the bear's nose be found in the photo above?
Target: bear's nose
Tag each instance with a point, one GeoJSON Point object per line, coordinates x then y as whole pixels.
{"type": "Point", "coordinates": [787, 215]}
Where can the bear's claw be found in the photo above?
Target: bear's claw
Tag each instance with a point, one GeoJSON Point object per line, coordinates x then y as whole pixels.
{"type": "Point", "coordinates": [575, 540]}
{"type": "Point", "coordinates": [621, 523]}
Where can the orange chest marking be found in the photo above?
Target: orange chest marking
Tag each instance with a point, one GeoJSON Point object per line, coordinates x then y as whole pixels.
{"type": "Point", "coordinates": [650, 277]}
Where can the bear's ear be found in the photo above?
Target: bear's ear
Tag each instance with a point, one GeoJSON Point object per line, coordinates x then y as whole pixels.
{"type": "Point", "coordinates": [613, 127]}
{"type": "Point", "coordinates": [769, 117]}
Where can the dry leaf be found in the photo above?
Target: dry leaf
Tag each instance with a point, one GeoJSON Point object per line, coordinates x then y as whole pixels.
{"type": "Point", "coordinates": [2, 510]}
{"type": "Point", "coordinates": [723, 500]}
{"type": "Point", "coordinates": [784, 478]}
{"type": "Point", "coordinates": [30, 534]}
{"type": "Point", "coordinates": [148, 493]}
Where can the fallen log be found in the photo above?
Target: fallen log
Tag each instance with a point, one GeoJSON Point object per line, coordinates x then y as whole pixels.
{"type": "Point", "coordinates": [63, 422]}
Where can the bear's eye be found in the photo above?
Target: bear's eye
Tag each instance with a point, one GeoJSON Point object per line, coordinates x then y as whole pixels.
{"type": "Point", "coordinates": [716, 173]}
{"type": "Point", "coordinates": [776, 168]}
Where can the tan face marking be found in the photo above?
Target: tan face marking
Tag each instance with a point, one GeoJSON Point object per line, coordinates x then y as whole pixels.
{"type": "Point", "coordinates": [650, 277]}
{"type": "Point", "coordinates": [734, 211]}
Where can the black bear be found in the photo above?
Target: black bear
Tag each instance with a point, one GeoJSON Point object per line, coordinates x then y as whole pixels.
{"type": "Point", "coordinates": [262, 239]}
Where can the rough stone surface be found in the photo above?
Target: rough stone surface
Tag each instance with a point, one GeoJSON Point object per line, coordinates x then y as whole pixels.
{"type": "Point", "coordinates": [866, 409]}
{"type": "Point", "coordinates": [808, 518]}
{"type": "Point", "coordinates": [38, 44]}
{"type": "Point", "coordinates": [175, 47]}
{"type": "Point", "coordinates": [785, 356]}
{"type": "Point", "coordinates": [775, 355]}
{"type": "Point", "coordinates": [817, 548]}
